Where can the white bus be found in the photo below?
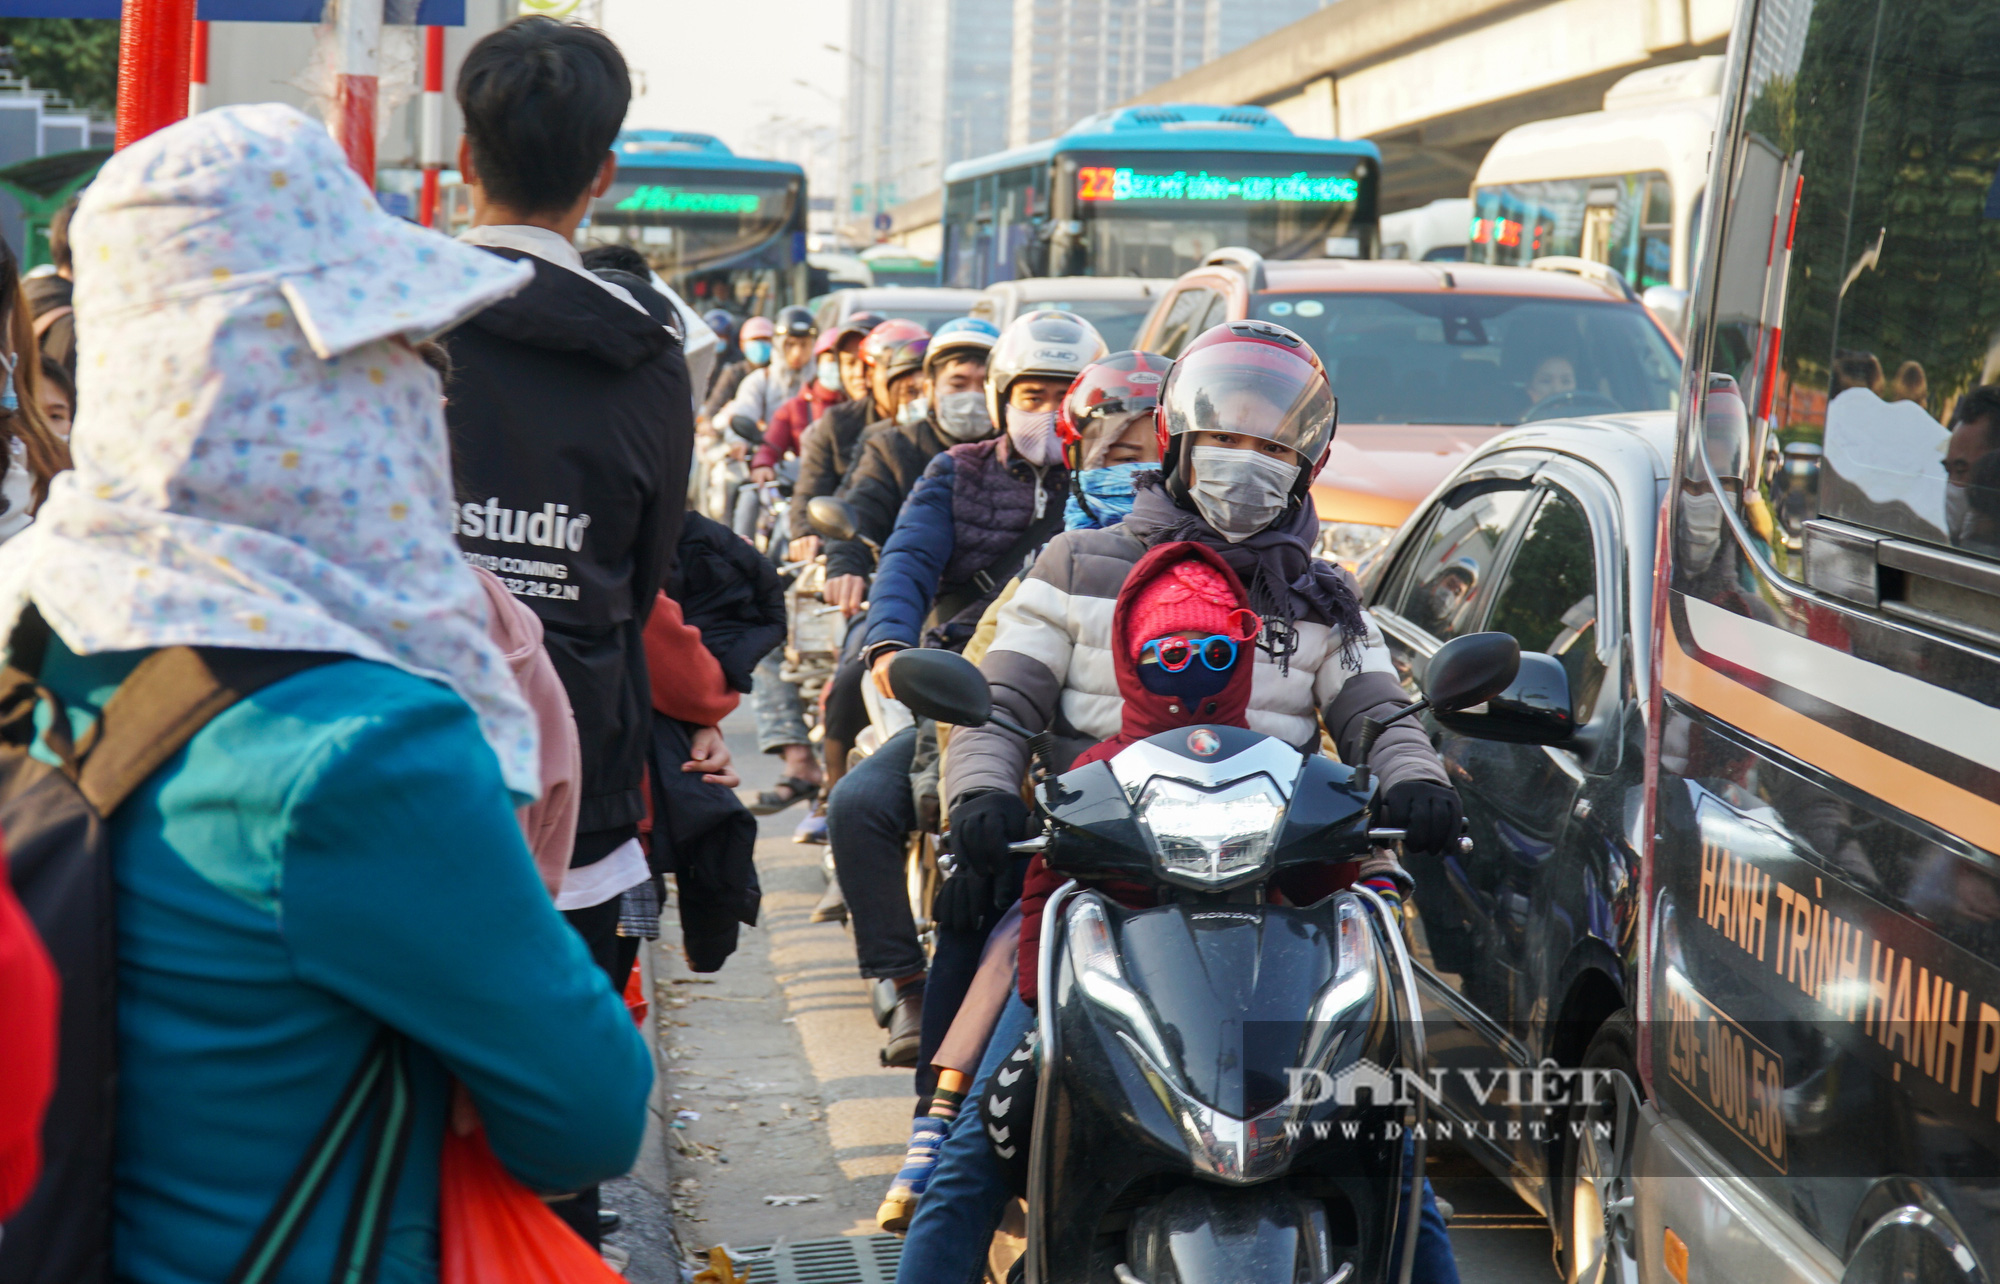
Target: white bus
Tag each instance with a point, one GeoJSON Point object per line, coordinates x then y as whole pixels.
{"type": "Point", "coordinates": [1622, 186]}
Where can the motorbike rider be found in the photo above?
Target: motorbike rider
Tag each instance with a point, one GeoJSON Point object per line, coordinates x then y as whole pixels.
{"type": "Point", "coordinates": [978, 504]}
{"type": "Point", "coordinates": [1246, 422]}
{"type": "Point", "coordinates": [755, 340]}
{"type": "Point", "coordinates": [821, 393]}
{"type": "Point", "coordinates": [828, 447]}
{"type": "Point", "coordinates": [782, 377]}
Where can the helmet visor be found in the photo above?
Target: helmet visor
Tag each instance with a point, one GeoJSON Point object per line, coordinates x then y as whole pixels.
{"type": "Point", "coordinates": [1103, 431]}
{"type": "Point", "coordinates": [1255, 389]}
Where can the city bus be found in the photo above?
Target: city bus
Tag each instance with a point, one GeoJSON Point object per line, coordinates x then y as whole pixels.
{"type": "Point", "coordinates": [726, 231]}
{"type": "Point", "coordinates": [1818, 1037]}
{"type": "Point", "coordinates": [1153, 191]}
{"type": "Point", "coordinates": [1622, 186]}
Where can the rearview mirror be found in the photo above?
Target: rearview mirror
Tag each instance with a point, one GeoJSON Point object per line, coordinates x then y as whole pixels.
{"type": "Point", "coordinates": [831, 518]}
{"type": "Point", "coordinates": [746, 428]}
{"type": "Point", "coordinates": [1669, 304]}
{"type": "Point", "coordinates": [1471, 670]}
{"type": "Point", "coordinates": [941, 685]}
{"type": "Point", "coordinates": [1533, 710]}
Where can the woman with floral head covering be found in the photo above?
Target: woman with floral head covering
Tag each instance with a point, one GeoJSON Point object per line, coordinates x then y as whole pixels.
{"type": "Point", "coordinates": [261, 462]}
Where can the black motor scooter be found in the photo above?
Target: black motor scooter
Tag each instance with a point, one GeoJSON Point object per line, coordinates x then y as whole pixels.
{"type": "Point", "coordinates": [1198, 1119]}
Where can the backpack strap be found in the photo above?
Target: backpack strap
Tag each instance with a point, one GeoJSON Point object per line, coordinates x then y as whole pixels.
{"type": "Point", "coordinates": [170, 696]}
{"type": "Point", "coordinates": [379, 1089]}
{"type": "Point", "coordinates": [49, 318]}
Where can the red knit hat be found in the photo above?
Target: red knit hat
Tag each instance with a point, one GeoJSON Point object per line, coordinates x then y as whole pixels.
{"type": "Point", "coordinates": [1189, 596]}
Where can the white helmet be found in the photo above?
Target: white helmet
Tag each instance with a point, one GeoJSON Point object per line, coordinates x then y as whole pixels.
{"type": "Point", "coordinates": [1047, 344]}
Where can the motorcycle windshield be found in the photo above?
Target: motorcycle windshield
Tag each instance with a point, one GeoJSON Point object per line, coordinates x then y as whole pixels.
{"type": "Point", "coordinates": [1232, 989]}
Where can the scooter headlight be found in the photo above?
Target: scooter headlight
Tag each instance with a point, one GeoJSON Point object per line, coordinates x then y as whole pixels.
{"type": "Point", "coordinates": [1211, 839]}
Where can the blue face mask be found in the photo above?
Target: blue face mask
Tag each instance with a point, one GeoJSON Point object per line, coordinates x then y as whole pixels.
{"type": "Point", "coordinates": [1110, 492]}
{"type": "Point", "coordinates": [8, 401]}
{"type": "Point", "coordinates": [757, 352]}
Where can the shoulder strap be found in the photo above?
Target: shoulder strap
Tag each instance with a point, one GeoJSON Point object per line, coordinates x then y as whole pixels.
{"type": "Point", "coordinates": [985, 583]}
{"type": "Point", "coordinates": [378, 1095]}
{"type": "Point", "coordinates": [173, 694]}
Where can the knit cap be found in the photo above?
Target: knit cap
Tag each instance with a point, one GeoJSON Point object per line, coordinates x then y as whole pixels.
{"type": "Point", "coordinates": [1189, 596]}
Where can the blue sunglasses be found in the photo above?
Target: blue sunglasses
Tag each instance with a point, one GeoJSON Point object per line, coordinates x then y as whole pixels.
{"type": "Point", "coordinates": [1217, 652]}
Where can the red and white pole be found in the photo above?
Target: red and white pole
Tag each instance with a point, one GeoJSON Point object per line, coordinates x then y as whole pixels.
{"type": "Point", "coordinates": [198, 71]}
{"type": "Point", "coordinates": [155, 42]}
{"type": "Point", "coordinates": [430, 139]}
{"type": "Point", "coordinates": [358, 36]}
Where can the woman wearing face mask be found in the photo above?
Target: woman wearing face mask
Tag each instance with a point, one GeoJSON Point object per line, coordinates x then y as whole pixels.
{"type": "Point", "coordinates": [1246, 420]}
{"type": "Point", "coordinates": [1109, 436]}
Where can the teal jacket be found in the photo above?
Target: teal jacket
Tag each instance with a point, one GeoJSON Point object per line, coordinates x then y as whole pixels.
{"type": "Point", "coordinates": [332, 854]}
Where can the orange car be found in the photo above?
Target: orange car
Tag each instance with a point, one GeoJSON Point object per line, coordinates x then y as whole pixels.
{"type": "Point", "coordinates": [1428, 360]}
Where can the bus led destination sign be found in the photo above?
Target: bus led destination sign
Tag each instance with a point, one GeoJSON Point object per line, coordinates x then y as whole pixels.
{"type": "Point", "coordinates": [653, 198]}
{"type": "Point", "coordinates": [1123, 183]}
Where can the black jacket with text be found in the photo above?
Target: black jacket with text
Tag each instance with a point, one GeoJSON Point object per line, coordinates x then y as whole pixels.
{"type": "Point", "coordinates": [572, 429]}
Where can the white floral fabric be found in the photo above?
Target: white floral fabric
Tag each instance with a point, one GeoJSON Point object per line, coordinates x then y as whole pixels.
{"type": "Point", "coordinates": [259, 461]}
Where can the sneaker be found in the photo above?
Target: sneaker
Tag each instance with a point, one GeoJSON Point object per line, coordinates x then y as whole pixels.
{"type": "Point", "coordinates": [832, 907]}
{"type": "Point", "coordinates": [900, 1204]}
{"type": "Point", "coordinates": [812, 829]}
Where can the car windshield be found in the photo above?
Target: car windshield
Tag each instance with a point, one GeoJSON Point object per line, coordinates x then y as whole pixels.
{"type": "Point", "coordinates": [1453, 358]}
{"type": "Point", "coordinates": [1116, 319]}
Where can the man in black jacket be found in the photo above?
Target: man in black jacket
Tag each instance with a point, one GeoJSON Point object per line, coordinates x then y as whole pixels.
{"type": "Point", "coordinates": [572, 425]}
{"type": "Point", "coordinates": [827, 447]}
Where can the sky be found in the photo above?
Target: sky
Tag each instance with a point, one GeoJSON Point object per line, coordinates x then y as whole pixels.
{"type": "Point", "coordinates": [725, 67]}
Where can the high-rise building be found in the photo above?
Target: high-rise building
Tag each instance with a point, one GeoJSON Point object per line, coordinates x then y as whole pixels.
{"type": "Point", "coordinates": [1076, 57]}
{"type": "Point", "coordinates": [927, 85]}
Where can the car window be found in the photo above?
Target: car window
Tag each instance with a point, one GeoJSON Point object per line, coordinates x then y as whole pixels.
{"type": "Point", "coordinates": [1450, 574]}
{"type": "Point", "coordinates": [1117, 320]}
{"type": "Point", "coordinates": [1188, 307]}
{"type": "Point", "coordinates": [1548, 598]}
{"type": "Point", "coordinates": [1218, 312]}
{"type": "Point", "coordinates": [1455, 357]}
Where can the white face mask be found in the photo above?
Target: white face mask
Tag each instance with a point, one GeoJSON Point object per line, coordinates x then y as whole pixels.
{"type": "Point", "coordinates": [962, 416]}
{"type": "Point", "coordinates": [829, 374]}
{"type": "Point", "coordinates": [1033, 433]}
{"type": "Point", "coordinates": [1240, 492]}
{"type": "Point", "coordinates": [913, 411]}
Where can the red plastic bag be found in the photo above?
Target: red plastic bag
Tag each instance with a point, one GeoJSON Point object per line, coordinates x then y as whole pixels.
{"type": "Point", "coordinates": [493, 1230]}
{"type": "Point", "coordinates": [635, 996]}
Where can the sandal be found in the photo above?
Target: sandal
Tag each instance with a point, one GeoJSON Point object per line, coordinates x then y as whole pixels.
{"type": "Point", "coordinates": [770, 801]}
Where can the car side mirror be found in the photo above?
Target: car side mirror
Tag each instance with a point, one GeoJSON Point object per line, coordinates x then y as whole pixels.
{"type": "Point", "coordinates": [1471, 670]}
{"type": "Point", "coordinates": [832, 519]}
{"type": "Point", "coordinates": [941, 685]}
{"type": "Point", "coordinates": [1533, 710]}
{"type": "Point", "coordinates": [1669, 304]}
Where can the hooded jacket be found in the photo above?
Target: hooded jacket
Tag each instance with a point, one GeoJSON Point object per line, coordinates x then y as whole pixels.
{"type": "Point", "coordinates": [889, 461]}
{"type": "Point", "coordinates": [826, 451]}
{"type": "Point", "coordinates": [572, 432]}
{"type": "Point", "coordinates": [790, 423]}
{"type": "Point", "coordinates": [1145, 713]}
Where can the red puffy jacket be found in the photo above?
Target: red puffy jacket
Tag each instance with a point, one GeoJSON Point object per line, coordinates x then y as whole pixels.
{"type": "Point", "coordinates": [27, 1049]}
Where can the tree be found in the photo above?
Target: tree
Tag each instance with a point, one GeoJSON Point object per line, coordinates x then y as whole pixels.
{"type": "Point", "coordinates": [74, 57]}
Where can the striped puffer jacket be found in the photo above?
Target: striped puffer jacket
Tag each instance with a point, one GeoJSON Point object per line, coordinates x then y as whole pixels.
{"type": "Point", "coordinates": [1050, 667]}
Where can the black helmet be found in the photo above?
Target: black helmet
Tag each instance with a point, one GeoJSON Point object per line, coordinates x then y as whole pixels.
{"type": "Point", "coordinates": [796, 323]}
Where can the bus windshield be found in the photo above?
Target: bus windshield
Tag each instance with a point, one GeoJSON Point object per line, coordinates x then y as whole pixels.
{"type": "Point", "coordinates": [1480, 359]}
{"type": "Point", "coordinates": [721, 238]}
{"type": "Point", "coordinates": [1625, 220]}
{"type": "Point", "coordinates": [1159, 214]}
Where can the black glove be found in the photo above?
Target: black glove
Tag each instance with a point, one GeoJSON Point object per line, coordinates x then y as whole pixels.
{"type": "Point", "coordinates": [1427, 813]}
{"type": "Point", "coordinates": [964, 902]}
{"type": "Point", "coordinates": [983, 824]}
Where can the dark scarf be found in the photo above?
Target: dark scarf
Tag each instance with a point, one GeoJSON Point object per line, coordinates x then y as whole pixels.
{"type": "Point", "coordinates": [1286, 582]}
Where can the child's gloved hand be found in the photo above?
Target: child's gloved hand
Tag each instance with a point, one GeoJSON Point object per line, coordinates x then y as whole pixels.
{"type": "Point", "coordinates": [1427, 812]}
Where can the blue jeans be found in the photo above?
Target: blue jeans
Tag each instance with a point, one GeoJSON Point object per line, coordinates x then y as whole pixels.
{"type": "Point", "coordinates": [781, 718]}
{"type": "Point", "coordinates": [968, 1192]}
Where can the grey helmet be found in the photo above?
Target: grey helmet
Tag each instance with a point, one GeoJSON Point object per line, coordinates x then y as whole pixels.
{"type": "Point", "coordinates": [1047, 344]}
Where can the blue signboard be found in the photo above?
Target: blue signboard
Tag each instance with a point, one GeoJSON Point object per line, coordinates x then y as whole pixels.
{"type": "Point", "coordinates": [429, 13]}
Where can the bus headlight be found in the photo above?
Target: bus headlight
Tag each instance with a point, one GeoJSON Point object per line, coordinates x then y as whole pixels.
{"type": "Point", "coordinates": [1349, 542]}
{"type": "Point", "coordinates": [1211, 840]}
